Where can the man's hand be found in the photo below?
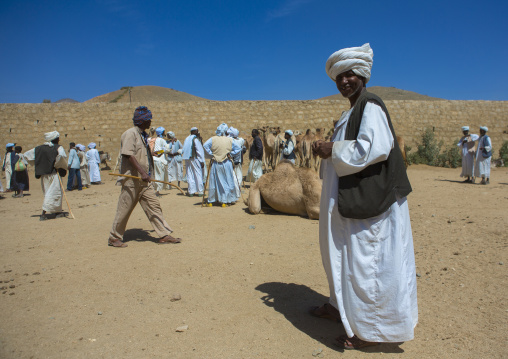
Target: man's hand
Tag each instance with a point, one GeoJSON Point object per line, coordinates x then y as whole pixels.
{"type": "Point", "coordinates": [145, 177]}
{"type": "Point", "coordinates": [322, 149]}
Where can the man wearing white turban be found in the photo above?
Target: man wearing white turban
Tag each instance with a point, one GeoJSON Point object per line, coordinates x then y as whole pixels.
{"type": "Point", "coordinates": [483, 156]}
{"type": "Point", "coordinates": [467, 145]}
{"type": "Point", "coordinates": [94, 159]}
{"type": "Point", "coordinates": [222, 178]}
{"type": "Point", "coordinates": [174, 154]}
{"type": "Point", "coordinates": [83, 165]}
{"type": "Point", "coordinates": [194, 157]}
{"type": "Point", "coordinates": [364, 226]}
{"type": "Point", "coordinates": [159, 160]}
{"type": "Point", "coordinates": [50, 161]}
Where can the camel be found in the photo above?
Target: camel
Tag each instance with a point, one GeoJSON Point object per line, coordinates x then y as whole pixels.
{"type": "Point", "coordinates": [268, 145]}
{"type": "Point", "coordinates": [306, 148]}
{"type": "Point", "coordinates": [402, 147]}
{"type": "Point", "coordinates": [319, 136]}
{"type": "Point", "coordinates": [288, 189]}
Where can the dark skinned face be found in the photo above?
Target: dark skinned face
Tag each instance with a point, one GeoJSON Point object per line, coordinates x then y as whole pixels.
{"type": "Point", "coordinates": [145, 125]}
{"type": "Point", "coordinates": [349, 84]}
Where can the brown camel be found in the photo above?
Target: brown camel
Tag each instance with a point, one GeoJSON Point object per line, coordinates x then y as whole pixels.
{"type": "Point", "coordinates": [288, 189]}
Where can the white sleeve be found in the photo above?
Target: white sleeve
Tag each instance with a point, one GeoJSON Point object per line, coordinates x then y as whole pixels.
{"type": "Point", "coordinates": [207, 146]}
{"type": "Point", "coordinates": [372, 145]}
{"type": "Point", "coordinates": [200, 153]}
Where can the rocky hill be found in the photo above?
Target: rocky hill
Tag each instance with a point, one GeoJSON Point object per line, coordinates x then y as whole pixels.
{"type": "Point", "coordinates": [390, 93]}
{"type": "Point", "coordinates": [145, 94]}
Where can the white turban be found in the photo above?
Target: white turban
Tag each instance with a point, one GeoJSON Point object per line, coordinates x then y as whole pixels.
{"type": "Point", "coordinates": [358, 59]}
{"type": "Point", "coordinates": [171, 134]}
{"type": "Point", "coordinates": [91, 145]}
{"type": "Point", "coordinates": [221, 130]}
{"type": "Point", "coordinates": [231, 131]}
{"type": "Point", "coordinates": [485, 128]}
{"type": "Point", "coordinates": [194, 129]}
{"type": "Point", "coordinates": [50, 136]}
{"type": "Point", "coordinates": [80, 147]}
{"type": "Point", "coordinates": [465, 128]}
{"type": "Point", "coordinates": [289, 132]}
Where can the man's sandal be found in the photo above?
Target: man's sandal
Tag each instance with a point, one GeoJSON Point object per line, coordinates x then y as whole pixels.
{"type": "Point", "coordinates": [169, 239]}
{"type": "Point", "coordinates": [354, 342]}
{"type": "Point", "coordinates": [326, 311]}
{"type": "Point", "coordinates": [117, 243]}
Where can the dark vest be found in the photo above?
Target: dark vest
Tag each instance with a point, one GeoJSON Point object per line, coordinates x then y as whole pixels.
{"type": "Point", "coordinates": [372, 191]}
{"type": "Point", "coordinates": [292, 155]}
{"type": "Point", "coordinates": [45, 157]}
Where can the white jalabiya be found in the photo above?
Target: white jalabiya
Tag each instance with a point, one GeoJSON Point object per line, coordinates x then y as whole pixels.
{"type": "Point", "coordinates": [467, 155]}
{"type": "Point", "coordinates": [160, 164]}
{"type": "Point", "coordinates": [93, 159]}
{"type": "Point", "coordinates": [193, 169]}
{"type": "Point", "coordinates": [51, 187]}
{"type": "Point", "coordinates": [175, 167]}
{"type": "Point", "coordinates": [482, 167]}
{"type": "Point", "coordinates": [8, 170]}
{"type": "Point", "coordinates": [255, 170]}
{"type": "Point", "coordinates": [83, 168]}
{"type": "Point", "coordinates": [237, 165]}
{"type": "Point", "coordinates": [369, 262]}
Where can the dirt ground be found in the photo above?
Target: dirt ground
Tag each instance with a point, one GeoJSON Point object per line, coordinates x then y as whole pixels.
{"type": "Point", "coordinates": [242, 283]}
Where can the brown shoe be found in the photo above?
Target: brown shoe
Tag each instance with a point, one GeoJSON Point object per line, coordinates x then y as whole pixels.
{"type": "Point", "coordinates": [117, 243]}
{"type": "Point", "coordinates": [169, 239]}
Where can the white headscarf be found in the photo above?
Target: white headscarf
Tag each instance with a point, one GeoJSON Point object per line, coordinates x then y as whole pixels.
{"type": "Point", "coordinates": [485, 128]}
{"type": "Point", "coordinates": [50, 136]}
{"type": "Point", "coordinates": [465, 128]}
{"type": "Point", "coordinates": [91, 145]}
{"type": "Point", "coordinates": [358, 59]}
{"type": "Point", "coordinates": [234, 132]}
{"type": "Point", "coordinates": [289, 132]}
{"type": "Point", "coordinates": [221, 130]}
{"type": "Point", "coordinates": [159, 131]}
{"type": "Point", "coordinates": [171, 134]}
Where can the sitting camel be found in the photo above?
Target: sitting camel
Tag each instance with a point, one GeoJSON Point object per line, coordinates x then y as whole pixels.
{"type": "Point", "coordinates": [288, 189]}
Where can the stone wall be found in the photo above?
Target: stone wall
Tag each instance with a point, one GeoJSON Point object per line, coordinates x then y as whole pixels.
{"type": "Point", "coordinates": [103, 123]}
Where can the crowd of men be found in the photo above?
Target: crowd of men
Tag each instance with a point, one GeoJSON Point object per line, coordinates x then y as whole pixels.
{"type": "Point", "coordinates": [476, 154]}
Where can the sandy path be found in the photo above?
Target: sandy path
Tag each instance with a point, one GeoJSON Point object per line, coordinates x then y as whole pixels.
{"type": "Point", "coordinates": [245, 281]}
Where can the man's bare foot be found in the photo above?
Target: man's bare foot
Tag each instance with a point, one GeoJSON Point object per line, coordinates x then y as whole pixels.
{"type": "Point", "coordinates": [354, 342]}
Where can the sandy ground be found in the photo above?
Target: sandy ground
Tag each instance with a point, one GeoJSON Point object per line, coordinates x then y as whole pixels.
{"type": "Point", "coordinates": [245, 281]}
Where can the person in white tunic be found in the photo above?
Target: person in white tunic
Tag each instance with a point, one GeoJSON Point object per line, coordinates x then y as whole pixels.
{"type": "Point", "coordinates": [483, 156]}
{"type": "Point", "coordinates": [93, 159]}
{"type": "Point", "coordinates": [288, 148]}
{"type": "Point", "coordinates": [364, 227]}
{"type": "Point", "coordinates": [194, 157]}
{"type": "Point", "coordinates": [174, 154]}
{"type": "Point", "coordinates": [237, 159]}
{"type": "Point", "coordinates": [6, 166]}
{"type": "Point", "coordinates": [222, 177]}
{"type": "Point", "coordinates": [467, 145]}
{"type": "Point", "coordinates": [255, 170]}
{"type": "Point", "coordinates": [50, 161]}
{"type": "Point", "coordinates": [159, 160]}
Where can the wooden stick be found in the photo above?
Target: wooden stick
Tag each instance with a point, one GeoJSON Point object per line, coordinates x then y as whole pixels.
{"type": "Point", "coordinates": [206, 182]}
{"type": "Point", "coordinates": [65, 196]}
{"type": "Point", "coordinates": [151, 180]}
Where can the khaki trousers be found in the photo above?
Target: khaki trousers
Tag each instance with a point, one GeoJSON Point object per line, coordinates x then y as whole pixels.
{"type": "Point", "coordinates": [132, 193]}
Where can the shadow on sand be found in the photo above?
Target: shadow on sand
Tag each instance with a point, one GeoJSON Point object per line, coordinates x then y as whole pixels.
{"type": "Point", "coordinates": [294, 301]}
{"type": "Point", "coordinates": [139, 235]}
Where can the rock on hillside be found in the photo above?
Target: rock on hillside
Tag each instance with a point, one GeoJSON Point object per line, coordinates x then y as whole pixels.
{"type": "Point", "coordinates": [389, 93]}
{"type": "Point", "coordinates": [145, 94]}
{"type": "Point", "coordinates": [66, 100]}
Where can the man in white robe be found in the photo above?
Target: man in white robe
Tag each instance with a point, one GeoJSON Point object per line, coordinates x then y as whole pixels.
{"type": "Point", "coordinates": [222, 178]}
{"type": "Point", "coordinates": [7, 167]}
{"type": "Point", "coordinates": [174, 154]}
{"type": "Point", "coordinates": [42, 156]}
{"type": "Point", "coordinates": [83, 166]}
{"type": "Point", "coordinates": [159, 160]}
{"type": "Point", "coordinates": [483, 156]}
{"type": "Point", "coordinates": [369, 261]}
{"type": "Point", "coordinates": [255, 170]}
{"type": "Point", "coordinates": [93, 159]}
{"type": "Point", "coordinates": [237, 159]}
{"type": "Point", "coordinates": [194, 157]}
{"type": "Point", "coordinates": [466, 144]}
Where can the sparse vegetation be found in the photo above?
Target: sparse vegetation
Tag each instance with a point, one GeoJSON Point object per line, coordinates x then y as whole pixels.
{"type": "Point", "coordinates": [503, 153]}
{"type": "Point", "coordinates": [46, 100]}
{"type": "Point", "coordinates": [429, 152]}
{"type": "Point", "coordinates": [125, 90]}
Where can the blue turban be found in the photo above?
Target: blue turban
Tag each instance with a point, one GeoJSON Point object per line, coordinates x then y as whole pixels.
{"type": "Point", "coordinates": [222, 129]}
{"type": "Point", "coordinates": [159, 131]}
{"type": "Point", "coordinates": [10, 145]}
{"type": "Point", "coordinates": [91, 145]}
{"type": "Point", "coordinates": [80, 147]}
{"type": "Point", "coordinates": [141, 114]}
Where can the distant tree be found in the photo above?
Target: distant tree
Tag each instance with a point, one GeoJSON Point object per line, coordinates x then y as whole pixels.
{"type": "Point", "coordinates": [46, 101]}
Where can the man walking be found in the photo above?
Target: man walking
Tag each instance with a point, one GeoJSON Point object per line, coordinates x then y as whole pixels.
{"type": "Point", "coordinates": [137, 161]}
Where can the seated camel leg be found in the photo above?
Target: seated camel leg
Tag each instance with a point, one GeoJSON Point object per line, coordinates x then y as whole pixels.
{"type": "Point", "coordinates": [254, 200]}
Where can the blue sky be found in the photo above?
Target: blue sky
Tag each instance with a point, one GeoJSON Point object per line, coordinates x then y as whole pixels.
{"type": "Point", "coordinates": [248, 50]}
